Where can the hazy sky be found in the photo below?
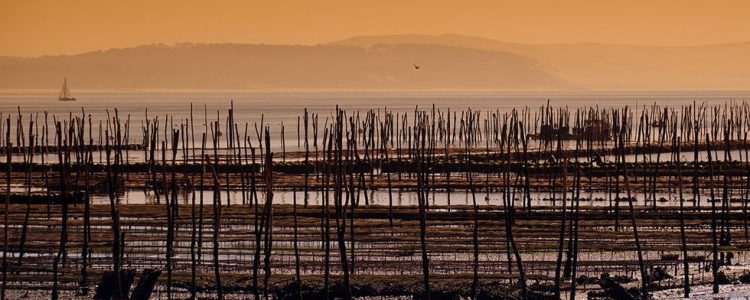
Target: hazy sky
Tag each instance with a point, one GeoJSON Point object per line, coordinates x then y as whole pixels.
{"type": "Point", "coordinates": [38, 27]}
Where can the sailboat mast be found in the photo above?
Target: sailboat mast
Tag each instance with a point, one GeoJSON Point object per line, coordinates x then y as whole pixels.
{"type": "Point", "coordinates": [65, 93]}
{"type": "Point", "coordinates": [64, 90]}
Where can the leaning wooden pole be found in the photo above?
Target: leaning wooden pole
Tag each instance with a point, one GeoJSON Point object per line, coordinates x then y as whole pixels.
{"type": "Point", "coordinates": [639, 252]}
{"type": "Point", "coordinates": [115, 215]}
{"type": "Point", "coordinates": [340, 207]}
{"type": "Point", "coordinates": [297, 277]}
{"type": "Point", "coordinates": [475, 226]}
{"type": "Point", "coordinates": [714, 243]}
{"type": "Point", "coordinates": [64, 210]}
{"type": "Point", "coordinates": [171, 215]}
{"type": "Point", "coordinates": [421, 190]}
{"type": "Point", "coordinates": [268, 172]}
{"type": "Point", "coordinates": [561, 239]}
{"type": "Point", "coordinates": [685, 263]}
{"type": "Point", "coordinates": [29, 172]}
{"type": "Point", "coordinates": [9, 164]}
{"type": "Point", "coordinates": [85, 252]}
{"type": "Point", "coordinates": [216, 226]}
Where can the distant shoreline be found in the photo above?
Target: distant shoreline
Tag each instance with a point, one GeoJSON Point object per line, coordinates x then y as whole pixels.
{"type": "Point", "coordinates": [701, 92]}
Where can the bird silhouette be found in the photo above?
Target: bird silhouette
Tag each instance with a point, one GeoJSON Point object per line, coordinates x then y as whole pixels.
{"type": "Point", "coordinates": [416, 67]}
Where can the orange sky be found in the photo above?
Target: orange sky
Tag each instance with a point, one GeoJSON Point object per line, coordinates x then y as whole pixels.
{"type": "Point", "coordinates": [32, 28]}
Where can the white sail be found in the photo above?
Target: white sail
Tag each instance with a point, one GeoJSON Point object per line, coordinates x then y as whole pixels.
{"type": "Point", "coordinates": [64, 89]}
{"type": "Point", "coordinates": [65, 93]}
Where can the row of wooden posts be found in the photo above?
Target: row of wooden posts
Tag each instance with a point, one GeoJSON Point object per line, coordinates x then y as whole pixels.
{"type": "Point", "coordinates": [505, 135]}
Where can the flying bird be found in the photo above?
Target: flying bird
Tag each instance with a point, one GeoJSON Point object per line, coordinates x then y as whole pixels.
{"type": "Point", "coordinates": [416, 67]}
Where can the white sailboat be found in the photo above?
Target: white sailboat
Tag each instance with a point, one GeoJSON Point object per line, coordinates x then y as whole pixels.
{"type": "Point", "coordinates": [65, 93]}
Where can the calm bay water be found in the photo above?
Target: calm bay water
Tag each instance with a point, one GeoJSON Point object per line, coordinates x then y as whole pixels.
{"type": "Point", "coordinates": [273, 108]}
{"type": "Point", "coordinates": [277, 107]}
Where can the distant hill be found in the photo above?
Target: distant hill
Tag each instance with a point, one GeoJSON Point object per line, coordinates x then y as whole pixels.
{"type": "Point", "coordinates": [242, 66]}
{"type": "Point", "coordinates": [452, 62]}
{"type": "Point", "coordinates": [610, 67]}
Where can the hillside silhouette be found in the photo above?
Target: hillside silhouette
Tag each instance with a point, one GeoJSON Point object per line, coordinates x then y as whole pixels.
{"type": "Point", "coordinates": [450, 62]}
{"type": "Point", "coordinates": [242, 66]}
{"type": "Point", "coordinates": [610, 67]}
